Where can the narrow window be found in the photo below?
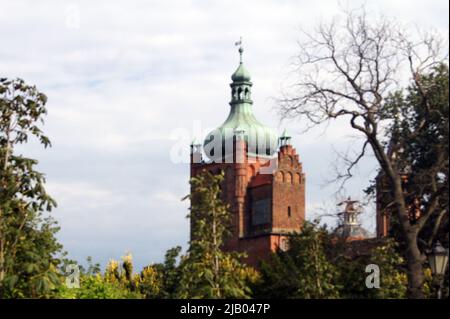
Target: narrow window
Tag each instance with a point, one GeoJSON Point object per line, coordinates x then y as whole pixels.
{"type": "Point", "coordinates": [289, 211]}
{"type": "Point", "coordinates": [246, 93]}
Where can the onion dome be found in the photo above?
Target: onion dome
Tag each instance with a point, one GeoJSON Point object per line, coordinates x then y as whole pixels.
{"type": "Point", "coordinates": [241, 74]}
{"type": "Point", "coordinates": [351, 232]}
{"type": "Point", "coordinates": [261, 140]}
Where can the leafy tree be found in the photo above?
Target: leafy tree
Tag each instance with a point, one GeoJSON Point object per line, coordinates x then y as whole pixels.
{"type": "Point", "coordinates": [28, 266]}
{"type": "Point", "coordinates": [366, 59]}
{"type": "Point", "coordinates": [170, 273]}
{"type": "Point", "coordinates": [92, 269]}
{"type": "Point", "coordinates": [207, 271]}
{"type": "Point", "coordinates": [318, 278]}
{"type": "Point", "coordinates": [151, 282]}
{"type": "Point", "coordinates": [280, 277]}
{"type": "Point", "coordinates": [419, 143]}
{"type": "Point", "coordinates": [422, 153]}
{"type": "Point", "coordinates": [117, 282]}
{"type": "Point", "coordinates": [97, 287]}
{"type": "Point", "coordinates": [393, 280]}
{"type": "Point", "coordinates": [122, 274]}
{"type": "Point", "coordinates": [303, 271]}
{"type": "Point", "coordinates": [352, 277]}
{"type": "Point", "coordinates": [161, 280]}
{"type": "Point", "coordinates": [352, 270]}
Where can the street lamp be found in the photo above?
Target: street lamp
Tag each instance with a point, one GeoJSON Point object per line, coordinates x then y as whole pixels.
{"type": "Point", "coordinates": [438, 259]}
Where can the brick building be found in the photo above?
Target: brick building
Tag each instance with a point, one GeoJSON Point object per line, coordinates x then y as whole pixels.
{"type": "Point", "coordinates": [264, 181]}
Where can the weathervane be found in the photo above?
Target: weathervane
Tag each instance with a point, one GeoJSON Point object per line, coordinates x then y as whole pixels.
{"type": "Point", "coordinates": [241, 49]}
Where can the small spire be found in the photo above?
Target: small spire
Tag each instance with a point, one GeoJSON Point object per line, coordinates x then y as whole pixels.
{"type": "Point", "coordinates": [196, 146]}
{"type": "Point", "coordinates": [285, 138]}
{"type": "Point", "coordinates": [351, 210]}
{"type": "Point", "coordinates": [285, 134]}
{"type": "Point", "coordinates": [241, 49]}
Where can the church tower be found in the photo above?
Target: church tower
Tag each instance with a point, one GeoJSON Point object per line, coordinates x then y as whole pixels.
{"type": "Point", "coordinates": [264, 181]}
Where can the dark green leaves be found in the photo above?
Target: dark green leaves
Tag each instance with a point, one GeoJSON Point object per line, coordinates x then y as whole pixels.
{"type": "Point", "coordinates": [304, 271]}
{"type": "Point", "coordinates": [207, 271]}
{"type": "Point", "coordinates": [28, 266]}
{"type": "Point", "coordinates": [21, 107]}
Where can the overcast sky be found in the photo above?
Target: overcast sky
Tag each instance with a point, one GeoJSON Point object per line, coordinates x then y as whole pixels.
{"type": "Point", "coordinates": [124, 78]}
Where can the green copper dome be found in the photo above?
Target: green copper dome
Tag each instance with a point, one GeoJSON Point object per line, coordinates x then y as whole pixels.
{"type": "Point", "coordinates": [261, 140]}
{"type": "Point", "coordinates": [241, 74]}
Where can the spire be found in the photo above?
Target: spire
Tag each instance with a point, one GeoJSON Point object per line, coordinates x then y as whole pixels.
{"type": "Point", "coordinates": [195, 141]}
{"type": "Point", "coordinates": [285, 138]}
{"type": "Point", "coordinates": [241, 122]}
{"type": "Point", "coordinates": [196, 151]}
{"type": "Point", "coordinates": [241, 49]}
{"type": "Point", "coordinates": [241, 75]}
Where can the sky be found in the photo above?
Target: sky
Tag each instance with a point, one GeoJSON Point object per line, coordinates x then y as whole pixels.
{"type": "Point", "coordinates": [128, 82]}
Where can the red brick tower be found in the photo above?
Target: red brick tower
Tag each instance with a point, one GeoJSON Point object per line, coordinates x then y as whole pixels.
{"type": "Point", "coordinates": [264, 186]}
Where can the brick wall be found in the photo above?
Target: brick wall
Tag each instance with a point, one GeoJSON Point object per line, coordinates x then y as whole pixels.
{"type": "Point", "coordinates": [264, 207]}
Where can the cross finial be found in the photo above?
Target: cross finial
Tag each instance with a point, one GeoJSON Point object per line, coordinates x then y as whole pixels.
{"type": "Point", "coordinates": [241, 49]}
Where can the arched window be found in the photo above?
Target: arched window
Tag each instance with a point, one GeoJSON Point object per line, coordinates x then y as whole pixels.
{"type": "Point", "coordinates": [240, 93]}
{"type": "Point", "coordinates": [288, 177]}
{"type": "Point", "coordinates": [247, 93]}
{"type": "Point", "coordinates": [279, 177]}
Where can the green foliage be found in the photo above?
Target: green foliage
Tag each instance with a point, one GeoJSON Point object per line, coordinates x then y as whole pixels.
{"type": "Point", "coordinates": [28, 267]}
{"type": "Point", "coordinates": [352, 278]}
{"type": "Point", "coordinates": [117, 282]}
{"type": "Point", "coordinates": [318, 278]}
{"type": "Point", "coordinates": [424, 131]}
{"type": "Point", "coordinates": [93, 268]}
{"type": "Point", "coordinates": [316, 266]}
{"type": "Point", "coordinates": [418, 143]}
{"type": "Point", "coordinates": [419, 138]}
{"type": "Point", "coordinates": [151, 282]}
{"type": "Point", "coordinates": [207, 271]}
{"type": "Point", "coordinates": [303, 271]}
{"type": "Point", "coordinates": [393, 280]}
{"type": "Point", "coordinates": [161, 280]}
{"type": "Point", "coordinates": [280, 278]}
{"type": "Point", "coordinates": [170, 273]}
{"type": "Point", "coordinates": [96, 287]}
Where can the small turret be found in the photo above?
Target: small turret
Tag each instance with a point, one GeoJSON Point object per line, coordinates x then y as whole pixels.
{"type": "Point", "coordinates": [196, 151]}
{"type": "Point", "coordinates": [285, 139]}
{"type": "Point", "coordinates": [350, 228]}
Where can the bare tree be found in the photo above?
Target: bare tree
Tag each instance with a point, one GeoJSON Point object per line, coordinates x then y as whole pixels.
{"type": "Point", "coordinates": [347, 70]}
